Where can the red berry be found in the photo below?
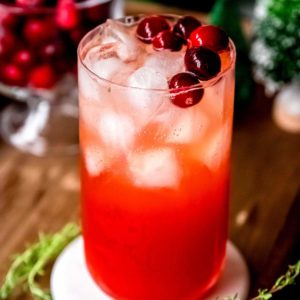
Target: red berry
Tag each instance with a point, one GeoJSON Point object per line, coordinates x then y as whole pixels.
{"type": "Point", "coordinates": [7, 20]}
{"type": "Point", "coordinates": [7, 42]}
{"type": "Point", "coordinates": [23, 58]}
{"type": "Point", "coordinates": [29, 3]}
{"type": "Point", "coordinates": [149, 27]}
{"type": "Point", "coordinates": [66, 14]}
{"type": "Point", "coordinates": [185, 25]}
{"type": "Point", "coordinates": [38, 31]}
{"type": "Point", "coordinates": [42, 76]}
{"type": "Point", "coordinates": [167, 40]}
{"type": "Point", "coordinates": [202, 61]}
{"type": "Point", "coordinates": [184, 94]}
{"type": "Point", "coordinates": [12, 75]}
{"type": "Point", "coordinates": [52, 50]}
{"type": "Point", "coordinates": [211, 37]}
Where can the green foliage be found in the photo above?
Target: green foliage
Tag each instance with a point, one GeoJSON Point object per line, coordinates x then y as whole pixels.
{"type": "Point", "coordinates": [278, 35]}
{"type": "Point", "coordinates": [30, 264]}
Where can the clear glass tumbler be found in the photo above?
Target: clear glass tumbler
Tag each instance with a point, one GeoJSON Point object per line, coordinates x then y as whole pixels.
{"type": "Point", "coordinates": [155, 183]}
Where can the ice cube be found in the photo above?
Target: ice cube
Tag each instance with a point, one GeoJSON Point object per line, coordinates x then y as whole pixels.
{"type": "Point", "coordinates": [166, 63]}
{"type": "Point", "coordinates": [155, 168]}
{"type": "Point", "coordinates": [141, 98]}
{"type": "Point", "coordinates": [188, 127]}
{"type": "Point", "coordinates": [147, 78]}
{"type": "Point", "coordinates": [215, 147]}
{"type": "Point", "coordinates": [94, 159]}
{"type": "Point", "coordinates": [117, 131]}
{"type": "Point", "coordinates": [126, 45]}
{"type": "Point", "coordinates": [88, 85]}
{"type": "Point", "coordinates": [107, 68]}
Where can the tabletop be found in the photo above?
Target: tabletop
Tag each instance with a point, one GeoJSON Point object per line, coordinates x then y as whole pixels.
{"type": "Point", "coordinates": [42, 194]}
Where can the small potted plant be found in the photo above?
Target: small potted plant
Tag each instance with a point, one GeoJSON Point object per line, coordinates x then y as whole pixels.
{"type": "Point", "coordinates": [276, 55]}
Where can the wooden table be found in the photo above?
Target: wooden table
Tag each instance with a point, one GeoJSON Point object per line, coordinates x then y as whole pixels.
{"type": "Point", "coordinates": [42, 194]}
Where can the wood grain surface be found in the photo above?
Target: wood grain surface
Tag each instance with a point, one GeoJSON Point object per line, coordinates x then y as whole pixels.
{"type": "Point", "coordinates": [42, 194]}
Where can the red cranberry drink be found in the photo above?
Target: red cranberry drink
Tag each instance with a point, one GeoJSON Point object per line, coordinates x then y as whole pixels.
{"type": "Point", "coordinates": [38, 38]}
{"type": "Point", "coordinates": [156, 105]}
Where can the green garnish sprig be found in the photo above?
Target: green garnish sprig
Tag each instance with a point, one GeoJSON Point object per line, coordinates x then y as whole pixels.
{"type": "Point", "coordinates": [30, 264]}
{"type": "Point", "coordinates": [283, 281]}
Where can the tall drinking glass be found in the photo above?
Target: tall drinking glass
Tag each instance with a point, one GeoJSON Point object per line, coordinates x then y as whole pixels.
{"type": "Point", "coordinates": [155, 180]}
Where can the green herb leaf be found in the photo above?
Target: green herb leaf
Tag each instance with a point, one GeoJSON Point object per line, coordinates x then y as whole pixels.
{"type": "Point", "coordinates": [30, 264]}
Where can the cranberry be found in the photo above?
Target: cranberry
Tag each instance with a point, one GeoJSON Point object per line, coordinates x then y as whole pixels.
{"type": "Point", "coordinates": [7, 20]}
{"type": "Point", "coordinates": [185, 25]}
{"type": "Point", "coordinates": [167, 40]}
{"type": "Point", "coordinates": [42, 76]}
{"type": "Point", "coordinates": [66, 14]}
{"type": "Point", "coordinates": [29, 3]}
{"type": "Point", "coordinates": [37, 31]}
{"type": "Point", "coordinates": [12, 75]}
{"type": "Point", "coordinates": [149, 27]}
{"type": "Point", "coordinates": [23, 58]}
{"type": "Point", "coordinates": [210, 36]}
{"type": "Point", "coordinates": [181, 86]}
{"type": "Point", "coordinates": [7, 42]}
{"type": "Point", "coordinates": [202, 61]}
{"type": "Point", "coordinates": [52, 50]}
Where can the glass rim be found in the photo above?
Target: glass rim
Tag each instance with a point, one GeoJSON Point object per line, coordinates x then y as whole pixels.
{"type": "Point", "coordinates": [12, 8]}
{"type": "Point", "coordinates": [201, 85]}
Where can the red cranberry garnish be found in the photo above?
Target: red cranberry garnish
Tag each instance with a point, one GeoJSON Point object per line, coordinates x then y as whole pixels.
{"type": "Point", "coordinates": [29, 3]}
{"type": "Point", "coordinates": [211, 37]}
{"type": "Point", "coordinates": [12, 75]}
{"type": "Point", "coordinates": [181, 86]}
{"type": "Point", "coordinates": [66, 14]}
{"type": "Point", "coordinates": [23, 58]}
{"type": "Point", "coordinates": [37, 31]}
{"type": "Point", "coordinates": [202, 61]}
{"type": "Point", "coordinates": [42, 76]}
{"type": "Point", "coordinates": [167, 39]}
{"type": "Point", "coordinates": [185, 25]}
{"type": "Point", "coordinates": [149, 27]}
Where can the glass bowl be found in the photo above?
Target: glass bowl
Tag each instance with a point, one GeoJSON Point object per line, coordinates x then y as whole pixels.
{"type": "Point", "coordinates": [38, 42]}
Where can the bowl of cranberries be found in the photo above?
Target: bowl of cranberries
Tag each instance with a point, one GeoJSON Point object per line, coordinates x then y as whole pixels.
{"type": "Point", "coordinates": [38, 42]}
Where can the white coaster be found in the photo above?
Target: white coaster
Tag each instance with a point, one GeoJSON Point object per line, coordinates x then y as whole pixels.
{"type": "Point", "coordinates": [70, 279]}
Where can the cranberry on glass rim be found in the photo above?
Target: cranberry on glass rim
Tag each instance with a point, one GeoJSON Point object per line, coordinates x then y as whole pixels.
{"type": "Point", "coordinates": [202, 61]}
{"type": "Point", "coordinates": [149, 27]}
{"type": "Point", "coordinates": [185, 26]}
{"type": "Point", "coordinates": [184, 96]}
{"type": "Point", "coordinates": [209, 36]}
{"type": "Point", "coordinates": [38, 43]}
{"type": "Point", "coordinates": [167, 40]}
